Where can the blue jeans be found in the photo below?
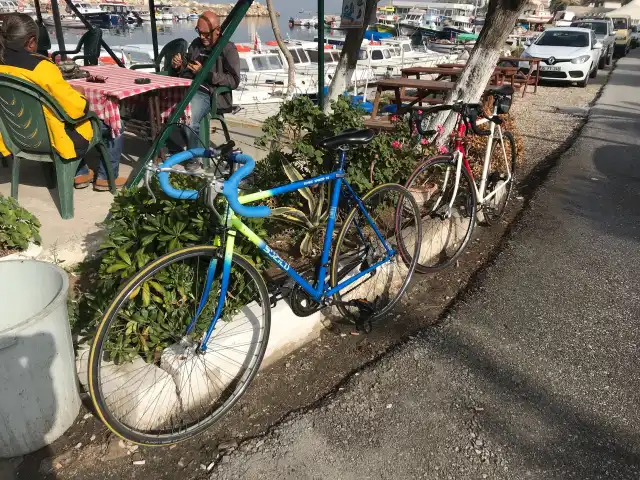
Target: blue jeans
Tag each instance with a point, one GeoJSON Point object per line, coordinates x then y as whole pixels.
{"type": "Point", "coordinates": [114, 148]}
{"type": "Point", "coordinates": [200, 107]}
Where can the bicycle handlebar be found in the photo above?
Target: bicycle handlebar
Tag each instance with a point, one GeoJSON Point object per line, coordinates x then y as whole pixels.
{"type": "Point", "coordinates": [469, 112]}
{"type": "Point", "coordinates": [163, 177]}
{"type": "Point", "coordinates": [230, 189]}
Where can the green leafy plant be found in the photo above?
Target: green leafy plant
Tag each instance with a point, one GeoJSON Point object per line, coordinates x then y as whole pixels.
{"type": "Point", "coordinates": [312, 221]}
{"type": "Point", "coordinates": [18, 227]}
{"type": "Point", "coordinates": [140, 230]}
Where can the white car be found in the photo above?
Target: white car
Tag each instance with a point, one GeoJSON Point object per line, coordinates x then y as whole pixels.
{"type": "Point", "coordinates": [568, 54]}
{"type": "Point", "coordinates": [635, 36]}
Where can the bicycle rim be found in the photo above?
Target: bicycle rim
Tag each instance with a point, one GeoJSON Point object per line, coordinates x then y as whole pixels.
{"type": "Point", "coordinates": [359, 247]}
{"type": "Point", "coordinates": [494, 208]}
{"type": "Point", "coordinates": [149, 381]}
{"type": "Point", "coordinates": [445, 233]}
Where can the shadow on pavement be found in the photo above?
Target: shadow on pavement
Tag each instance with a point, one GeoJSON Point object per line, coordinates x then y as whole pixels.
{"type": "Point", "coordinates": [550, 431]}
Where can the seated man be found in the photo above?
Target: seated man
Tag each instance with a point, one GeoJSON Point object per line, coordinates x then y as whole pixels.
{"type": "Point", "coordinates": [18, 44]}
{"type": "Point", "coordinates": [224, 73]}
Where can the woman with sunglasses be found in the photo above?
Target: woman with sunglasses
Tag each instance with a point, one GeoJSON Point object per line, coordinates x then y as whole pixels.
{"type": "Point", "coordinates": [224, 73]}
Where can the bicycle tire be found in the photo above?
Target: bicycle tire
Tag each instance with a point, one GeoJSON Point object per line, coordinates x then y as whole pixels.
{"type": "Point", "coordinates": [348, 258]}
{"type": "Point", "coordinates": [490, 213]}
{"type": "Point", "coordinates": [239, 384]}
{"type": "Point", "coordinates": [434, 260]}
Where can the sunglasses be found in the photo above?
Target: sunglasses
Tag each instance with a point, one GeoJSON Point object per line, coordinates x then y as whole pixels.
{"type": "Point", "coordinates": [206, 34]}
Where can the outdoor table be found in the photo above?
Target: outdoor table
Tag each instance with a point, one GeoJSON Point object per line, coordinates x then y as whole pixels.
{"type": "Point", "coordinates": [528, 79]}
{"type": "Point", "coordinates": [452, 73]}
{"type": "Point", "coordinates": [120, 90]}
{"type": "Point", "coordinates": [423, 88]}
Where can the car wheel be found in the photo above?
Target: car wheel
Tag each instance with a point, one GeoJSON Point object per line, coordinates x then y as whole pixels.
{"type": "Point", "coordinates": [602, 62]}
{"type": "Point", "coordinates": [583, 83]}
{"type": "Point", "coordinates": [610, 57]}
{"type": "Point", "coordinates": [593, 73]}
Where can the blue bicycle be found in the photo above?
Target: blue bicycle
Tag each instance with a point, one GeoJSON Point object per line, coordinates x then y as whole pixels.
{"type": "Point", "coordinates": [201, 315]}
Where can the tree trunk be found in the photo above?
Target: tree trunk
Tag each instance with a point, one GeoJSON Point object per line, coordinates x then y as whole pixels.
{"type": "Point", "coordinates": [349, 57]}
{"type": "Point", "coordinates": [291, 81]}
{"type": "Point", "coordinates": [499, 22]}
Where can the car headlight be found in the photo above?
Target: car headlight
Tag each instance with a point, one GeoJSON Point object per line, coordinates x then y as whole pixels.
{"type": "Point", "coordinates": [581, 59]}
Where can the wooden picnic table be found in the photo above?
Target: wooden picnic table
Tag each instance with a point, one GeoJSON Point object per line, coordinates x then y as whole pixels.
{"type": "Point", "coordinates": [453, 73]}
{"type": "Point", "coordinates": [528, 78]}
{"type": "Point", "coordinates": [423, 88]}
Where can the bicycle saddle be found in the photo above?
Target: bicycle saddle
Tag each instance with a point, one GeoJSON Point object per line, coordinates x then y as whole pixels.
{"type": "Point", "coordinates": [351, 136]}
{"type": "Point", "coordinates": [502, 90]}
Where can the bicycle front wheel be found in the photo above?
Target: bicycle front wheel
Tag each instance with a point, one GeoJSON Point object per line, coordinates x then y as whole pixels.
{"type": "Point", "coordinates": [502, 166]}
{"type": "Point", "coordinates": [369, 240]}
{"type": "Point", "coordinates": [151, 379]}
{"type": "Point", "coordinates": [448, 213]}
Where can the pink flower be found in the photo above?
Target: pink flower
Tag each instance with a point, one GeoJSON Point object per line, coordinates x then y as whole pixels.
{"type": "Point", "coordinates": [419, 112]}
{"type": "Point", "coordinates": [394, 118]}
{"type": "Point", "coordinates": [415, 130]}
{"type": "Point", "coordinates": [424, 141]}
{"type": "Point", "coordinates": [395, 144]}
{"type": "Point", "coordinates": [440, 129]}
{"type": "Point", "coordinates": [443, 149]}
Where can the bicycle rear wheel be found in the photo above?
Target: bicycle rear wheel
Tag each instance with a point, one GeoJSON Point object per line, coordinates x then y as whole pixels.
{"type": "Point", "coordinates": [502, 163]}
{"type": "Point", "coordinates": [360, 247]}
{"type": "Point", "coordinates": [149, 380]}
{"type": "Point", "coordinates": [447, 222]}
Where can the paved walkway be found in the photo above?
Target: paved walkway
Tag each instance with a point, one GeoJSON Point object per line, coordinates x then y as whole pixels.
{"type": "Point", "coordinates": [535, 373]}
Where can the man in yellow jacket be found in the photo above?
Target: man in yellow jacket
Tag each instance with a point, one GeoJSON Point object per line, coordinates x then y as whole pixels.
{"type": "Point", "coordinates": [18, 44]}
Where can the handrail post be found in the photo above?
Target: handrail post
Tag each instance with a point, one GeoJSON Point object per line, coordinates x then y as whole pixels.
{"type": "Point", "coordinates": [55, 11]}
{"type": "Point", "coordinates": [154, 32]}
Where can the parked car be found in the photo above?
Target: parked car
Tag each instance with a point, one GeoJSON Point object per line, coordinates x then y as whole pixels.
{"type": "Point", "coordinates": [622, 24]}
{"type": "Point", "coordinates": [568, 54]}
{"type": "Point", "coordinates": [635, 36]}
{"type": "Point", "coordinates": [605, 33]}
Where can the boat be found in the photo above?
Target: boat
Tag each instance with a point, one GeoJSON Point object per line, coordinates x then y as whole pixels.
{"type": "Point", "coordinates": [180, 13]}
{"type": "Point", "coordinates": [103, 59]}
{"type": "Point", "coordinates": [163, 12]}
{"type": "Point", "coordinates": [117, 12]}
{"type": "Point", "coordinates": [417, 18]}
{"type": "Point", "coordinates": [193, 16]}
{"type": "Point", "coordinates": [138, 15]}
{"type": "Point", "coordinates": [67, 21]}
{"type": "Point", "coordinates": [304, 22]}
{"type": "Point", "coordinates": [386, 20]}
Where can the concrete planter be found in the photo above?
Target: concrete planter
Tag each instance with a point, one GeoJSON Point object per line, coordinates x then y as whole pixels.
{"type": "Point", "coordinates": [180, 371]}
{"type": "Point", "coordinates": [32, 252]}
{"type": "Point", "coordinates": [39, 397]}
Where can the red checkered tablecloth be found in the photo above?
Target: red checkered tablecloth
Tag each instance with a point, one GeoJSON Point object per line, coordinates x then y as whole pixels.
{"type": "Point", "coordinates": [104, 98]}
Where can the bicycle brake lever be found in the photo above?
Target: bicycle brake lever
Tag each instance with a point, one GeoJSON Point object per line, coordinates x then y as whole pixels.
{"type": "Point", "coordinates": [147, 181]}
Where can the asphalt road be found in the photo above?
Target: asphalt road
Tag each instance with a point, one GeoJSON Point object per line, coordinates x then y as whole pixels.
{"type": "Point", "coordinates": [533, 374]}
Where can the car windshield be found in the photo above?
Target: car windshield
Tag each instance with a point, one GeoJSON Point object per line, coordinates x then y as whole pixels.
{"type": "Point", "coordinates": [563, 38]}
{"type": "Point", "coordinates": [620, 23]}
{"type": "Point", "coordinates": [598, 27]}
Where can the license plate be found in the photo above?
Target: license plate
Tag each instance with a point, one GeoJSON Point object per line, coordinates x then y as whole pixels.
{"type": "Point", "coordinates": [549, 68]}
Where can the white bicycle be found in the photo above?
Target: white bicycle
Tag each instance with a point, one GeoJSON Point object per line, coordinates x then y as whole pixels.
{"type": "Point", "coordinates": [450, 198]}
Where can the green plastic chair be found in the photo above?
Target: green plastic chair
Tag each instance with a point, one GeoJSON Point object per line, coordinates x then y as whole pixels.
{"type": "Point", "coordinates": [205, 123]}
{"type": "Point", "coordinates": [89, 44]}
{"type": "Point", "coordinates": [26, 136]}
{"type": "Point", "coordinates": [162, 64]}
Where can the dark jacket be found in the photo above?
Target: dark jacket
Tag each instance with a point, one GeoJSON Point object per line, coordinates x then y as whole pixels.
{"type": "Point", "coordinates": [224, 73]}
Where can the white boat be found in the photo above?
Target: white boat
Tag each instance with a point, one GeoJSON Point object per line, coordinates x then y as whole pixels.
{"type": "Point", "coordinates": [193, 16]}
{"type": "Point", "coordinates": [416, 18]}
{"type": "Point", "coordinates": [164, 12]}
{"type": "Point", "coordinates": [67, 21]}
{"type": "Point", "coordinates": [264, 68]}
{"type": "Point", "coordinates": [181, 13]}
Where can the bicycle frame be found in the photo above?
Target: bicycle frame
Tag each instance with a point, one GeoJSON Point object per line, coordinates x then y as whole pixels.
{"type": "Point", "coordinates": [321, 289]}
{"type": "Point", "coordinates": [460, 158]}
